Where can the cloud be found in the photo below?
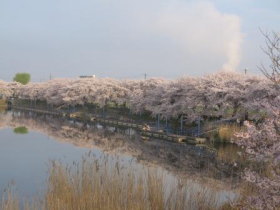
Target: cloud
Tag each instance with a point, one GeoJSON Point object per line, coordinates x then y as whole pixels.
{"type": "Point", "coordinates": [121, 38]}
{"type": "Point", "coordinates": [201, 30]}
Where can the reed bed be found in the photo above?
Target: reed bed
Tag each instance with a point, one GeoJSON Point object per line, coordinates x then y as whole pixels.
{"type": "Point", "coordinates": [102, 185]}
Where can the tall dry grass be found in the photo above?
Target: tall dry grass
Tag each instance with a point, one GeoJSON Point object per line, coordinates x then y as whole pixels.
{"type": "Point", "coordinates": [230, 153]}
{"type": "Point", "coordinates": [101, 185]}
{"type": "Point", "coordinates": [9, 200]}
{"type": "Point", "coordinates": [226, 132]}
{"type": "Point", "coordinates": [3, 102]}
{"type": "Point", "coordinates": [3, 105]}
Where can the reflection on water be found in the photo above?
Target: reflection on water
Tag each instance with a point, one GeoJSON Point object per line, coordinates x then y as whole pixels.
{"type": "Point", "coordinates": [21, 130]}
{"type": "Point", "coordinates": [230, 153]}
{"type": "Point", "coordinates": [24, 158]}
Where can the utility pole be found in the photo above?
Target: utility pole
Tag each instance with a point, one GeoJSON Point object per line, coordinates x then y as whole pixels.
{"type": "Point", "coordinates": [246, 70]}
{"type": "Point", "coordinates": [145, 76]}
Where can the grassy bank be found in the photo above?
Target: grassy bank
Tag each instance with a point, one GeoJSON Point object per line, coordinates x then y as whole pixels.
{"type": "Point", "coordinates": [92, 184]}
{"type": "Point", "coordinates": [3, 103]}
{"type": "Point", "coordinates": [223, 133]}
{"type": "Point", "coordinates": [226, 132]}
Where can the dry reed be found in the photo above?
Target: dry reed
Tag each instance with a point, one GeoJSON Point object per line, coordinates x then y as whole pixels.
{"type": "Point", "coordinates": [103, 185]}
{"type": "Point", "coordinates": [226, 132]}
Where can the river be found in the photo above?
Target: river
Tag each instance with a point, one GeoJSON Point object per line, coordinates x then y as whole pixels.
{"type": "Point", "coordinates": [28, 142]}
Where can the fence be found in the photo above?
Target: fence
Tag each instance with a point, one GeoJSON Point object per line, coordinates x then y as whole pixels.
{"type": "Point", "coordinates": [168, 126]}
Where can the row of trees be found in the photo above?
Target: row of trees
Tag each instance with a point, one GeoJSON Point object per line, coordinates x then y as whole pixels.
{"type": "Point", "coordinates": [217, 95]}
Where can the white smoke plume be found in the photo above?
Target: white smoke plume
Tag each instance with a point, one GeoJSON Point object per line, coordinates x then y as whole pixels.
{"type": "Point", "coordinates": [203, 30]}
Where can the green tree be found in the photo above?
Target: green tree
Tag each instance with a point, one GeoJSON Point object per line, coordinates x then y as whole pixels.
{"type": "Point", "coordinates": [22, 78]}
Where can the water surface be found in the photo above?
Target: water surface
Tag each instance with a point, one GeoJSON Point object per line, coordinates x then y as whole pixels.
{"type": "Point", "coordinates": [28, 142]}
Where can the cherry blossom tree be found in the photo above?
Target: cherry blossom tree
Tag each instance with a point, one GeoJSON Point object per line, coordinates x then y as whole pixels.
{"type": "Point", "coordinates": [262, 141]}
{"type": "Point", "coordinates": [7, 89]}
{"type": "Point", "coordinates": [272, 50]}
{"type": "Point", "coordinates": [219, 95]}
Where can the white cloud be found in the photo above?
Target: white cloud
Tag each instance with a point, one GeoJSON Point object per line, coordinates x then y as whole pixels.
{"type": "Point", "coordinates": [201, 29]}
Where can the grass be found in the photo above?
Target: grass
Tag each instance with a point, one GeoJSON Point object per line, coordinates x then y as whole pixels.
{"type": "Point", "coordinates": [226, 132]}
{"type": "Point", "coordinates": [230, 153]}
{"type": "Point", "coordinates": [94, 184]}
{"type": "Point", "coordinates": [3, 105]}
{"type": "Point", "coordinates": [9, 200]}
{"type": "Point", "coordinates": [3, 102]}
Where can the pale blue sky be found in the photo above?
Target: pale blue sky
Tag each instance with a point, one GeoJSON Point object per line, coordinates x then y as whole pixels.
{"type": "Point", "coordinates": [126, 38]}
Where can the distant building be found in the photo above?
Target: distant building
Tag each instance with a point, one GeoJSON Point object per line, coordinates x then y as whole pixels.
{"type": "Point", "coordinates": [84, 76]}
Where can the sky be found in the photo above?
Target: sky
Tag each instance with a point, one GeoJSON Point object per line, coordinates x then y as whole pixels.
{"type": "Point", "coordinates": [128, 38]}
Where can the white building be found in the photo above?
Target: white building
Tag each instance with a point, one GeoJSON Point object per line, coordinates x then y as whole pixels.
{"type": "Point", "coordinates": [84, 76]}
